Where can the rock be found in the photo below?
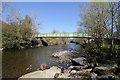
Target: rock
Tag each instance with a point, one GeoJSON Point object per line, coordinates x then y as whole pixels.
{"type": "Point", "coordinates": [48, 73]}
{"type": "Point", "coordinates": [43, 66]}
{"type": "Point", "coordinates": [70, 67]}
{"type": "Point", "coordinates": [104, 77]}
{"type": "Point", "coordinates": [105, 70]}
{"type": "Point", "coordinates": [1, 49]}
{"type": "Point", "coordinates": [64, 75]}
{"type": "Point", "coordinates": [67, 70]}
{"type": "Point", "coordinates": [81, 73]}
{"type": "Point", "coordinates": [79, 61]}
{"type": "Point", "coordinates": [85, 72]}
{"type": "Point", "coordinates": [73, 72]}
{"type": "Point", "coordinates": [91, 65]}
{"type": "Point", "coordinates": [75, 68]}
{"type": "Point", "coordinates": [65, 55]}
{"type": "Point", "coordinates": [93, 76]}
{"type": "Point", "coordinates": [56, 75]}
{"type": "Point", "coordinates": [101, 68]}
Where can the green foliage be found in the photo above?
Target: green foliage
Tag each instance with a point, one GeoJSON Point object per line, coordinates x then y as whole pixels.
{"type": "Point", "coordinates": [102, 21]}
{"type": "Point", "coordinates": [118, 27]}
{"type": "Point", "coordinates": [14, 33]}
{"type": "Point", "coordinates": [117, 46]}
{"type": "Point", "coordinates": [94, 19]}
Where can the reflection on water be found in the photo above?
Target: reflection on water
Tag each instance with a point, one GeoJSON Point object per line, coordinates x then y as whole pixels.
{"type": "Point", "coordinates": [15, 62]}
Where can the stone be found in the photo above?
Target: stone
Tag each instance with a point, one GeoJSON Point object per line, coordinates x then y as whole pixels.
{"type": "Point", "coordinates": [75, 68]}
{"type": "Point", "coordinates": [103, 70]}
{"type": "Point", "coordinates": [79, 61]}
{"type": "Point", "coordinates": [85, 72]}
{"type": "Point", "coordinates": [67, 71]}
{"type": "Point", "coordinates": [108, 77]}
{"type": "Point", "coordinates": [43, 66]}
{"type": "Point", "coordinates": [73, 72]}
{"type": "Point", "coordinates": [93, 75]}
{"type": "Point", "coordinates": [48, 73]}
{"type": "Point", "coordinates": [65, 55]}
{"type": "Point", "coordinates": [81, 73]}
{"type": "Point", "coordinates": [70, 67]}
{"type": "Point", "coordinates": [64, 75]}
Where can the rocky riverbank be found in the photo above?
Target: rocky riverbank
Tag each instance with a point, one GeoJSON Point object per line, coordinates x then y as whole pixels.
{"type": "Point", "coordinates": [31, 43]}
{"type": "Point", "coordinates": [79, 68]}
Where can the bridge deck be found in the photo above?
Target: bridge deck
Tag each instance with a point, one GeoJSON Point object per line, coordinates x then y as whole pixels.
{"type": "Point", "coordinates": [66, 35]}
{"type": "Point", "coordinates": [62, 35]}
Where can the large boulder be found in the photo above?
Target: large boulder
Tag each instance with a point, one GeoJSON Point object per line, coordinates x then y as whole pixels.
{"type": "Point", "coordinates": [49, 73]}
{"type": "Point", "coordinates": [78, 68]}
{"type": "Point", "coordinates": [65, 55]}
{"type": "Point", "coordinates": [105, 70]}
{"type": "Point", "coordinates": [81, 61]}
{"type": "Point", "coordinates": [83, 74]}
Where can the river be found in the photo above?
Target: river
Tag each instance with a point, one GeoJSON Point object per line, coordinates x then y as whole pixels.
{"type": "Point", "coordinates": [15, 62]}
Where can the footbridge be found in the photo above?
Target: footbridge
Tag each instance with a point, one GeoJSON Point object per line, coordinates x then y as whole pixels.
{"type": "Point", "coordinates": [62, 35]}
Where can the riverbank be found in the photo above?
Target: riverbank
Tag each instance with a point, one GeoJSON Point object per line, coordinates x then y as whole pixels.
{"type": "Point", "coordinates": [101, 55]}
{"type": "Point", "coordinates": [77, 67]}
{"type": "Point", "coordinates": [38, 42]}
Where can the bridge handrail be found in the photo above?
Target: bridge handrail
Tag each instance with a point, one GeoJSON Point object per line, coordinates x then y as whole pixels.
{"type": "Point", "coordinates": [75, 34]}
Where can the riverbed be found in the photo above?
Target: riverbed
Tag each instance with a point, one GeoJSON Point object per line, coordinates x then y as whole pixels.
{"type": "Point", "coordinates": [17, 62]}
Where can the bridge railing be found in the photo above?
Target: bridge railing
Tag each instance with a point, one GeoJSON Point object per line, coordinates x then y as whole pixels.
{"type": "Point", "coordinates": [62, 35]}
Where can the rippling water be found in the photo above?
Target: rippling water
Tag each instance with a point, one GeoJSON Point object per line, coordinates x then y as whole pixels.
{"type": "Point", "coordinates": [15, 62]}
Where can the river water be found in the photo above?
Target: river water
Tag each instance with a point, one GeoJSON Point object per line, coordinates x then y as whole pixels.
{"type": "Point", "coordinates": [16, 62]}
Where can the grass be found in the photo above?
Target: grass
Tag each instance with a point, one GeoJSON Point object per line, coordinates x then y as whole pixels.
{"type": "Point", "coordinates": [117, 46]}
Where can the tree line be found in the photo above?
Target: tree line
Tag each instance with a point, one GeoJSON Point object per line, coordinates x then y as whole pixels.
{"type": "Point", "coordinates": [101, 20]}
{"type": "Point", "coordinates": [16, 30]}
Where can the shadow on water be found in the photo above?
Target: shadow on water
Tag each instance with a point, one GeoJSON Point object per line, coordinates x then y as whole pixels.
{"type": "Point", "coordinates": [17, 62]}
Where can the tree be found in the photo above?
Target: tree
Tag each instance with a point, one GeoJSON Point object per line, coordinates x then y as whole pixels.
{"type": "Point", "coordinates": [101, 20]}
{"type": "Point", "coordinates": [26, 28]}
{"type": "Point", "coordinates": [118, 26]}
{"type": "Point", "coordinates": [16, 30]}
{"type": "Point", "coordinates": [95, 20]}
{"type": "Point", "coordinates": [114, 22]}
